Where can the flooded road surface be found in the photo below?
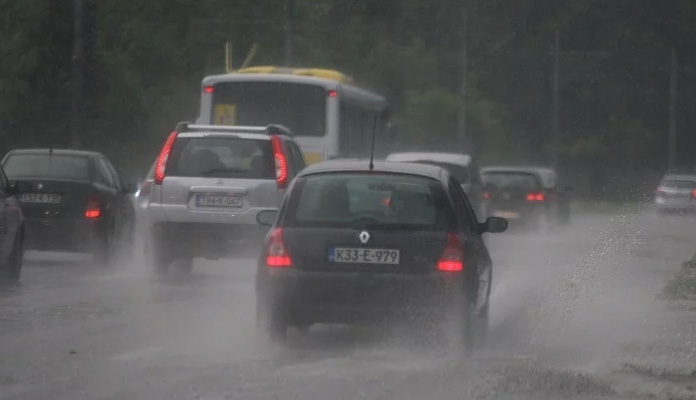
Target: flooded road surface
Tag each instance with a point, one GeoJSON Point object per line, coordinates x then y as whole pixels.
{"type": "Point", "coordinates": [576, 313]}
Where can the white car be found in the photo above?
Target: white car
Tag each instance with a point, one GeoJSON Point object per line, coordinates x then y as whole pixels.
{"type": "Point", "coordinates": [210, 182]}
{"type": "Point", "coordinates": [676, 193]}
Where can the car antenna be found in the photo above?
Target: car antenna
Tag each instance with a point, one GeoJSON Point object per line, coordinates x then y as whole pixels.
{"type": "Point", "coordinates": [372, 145]}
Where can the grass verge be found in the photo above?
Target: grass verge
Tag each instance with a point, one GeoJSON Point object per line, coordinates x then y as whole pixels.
{"type": "Point", "coordinates": [683, 286]}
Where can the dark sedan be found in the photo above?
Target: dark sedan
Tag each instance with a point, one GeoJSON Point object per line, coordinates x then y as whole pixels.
{"type": "Point", "coordinates": [354, 245]}
{"type": "Point", "coordinates": [527, 196]}
{"type": "Point", "coordinates": [77, 202]}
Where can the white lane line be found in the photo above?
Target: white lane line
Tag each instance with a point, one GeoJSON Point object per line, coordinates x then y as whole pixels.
{"type": "Point", "coordinates": [136, 354]}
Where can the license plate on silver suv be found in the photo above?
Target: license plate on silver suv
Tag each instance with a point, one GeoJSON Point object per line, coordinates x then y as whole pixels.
{"type": "Point", "coordinates": [356, 255]}
{"type": "Point", "coordinates": [204, 200]}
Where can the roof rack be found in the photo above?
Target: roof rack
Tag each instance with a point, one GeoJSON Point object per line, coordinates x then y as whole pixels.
{"type": "Point", "coordinates": [272, 129]}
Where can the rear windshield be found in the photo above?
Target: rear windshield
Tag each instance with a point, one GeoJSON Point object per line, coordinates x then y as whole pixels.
{"type": "Point", "coordinates": [300, 107]}
{"type": "Point", "coordinates": [459, 172]}
{"type": "Point", "coordinates": [76, 168]}
{"type": "Point", "coordinates": [679, 184]}
{"type": "Point", "coordinates": [222, 158]}
{"type": "Point", "coordinates": [378, 201]}
{"type": "Point", "coordinates": [511, 180]}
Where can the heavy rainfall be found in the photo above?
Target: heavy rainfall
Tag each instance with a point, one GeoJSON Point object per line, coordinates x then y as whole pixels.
{"type": "Point", "coordinates": [335, 199]}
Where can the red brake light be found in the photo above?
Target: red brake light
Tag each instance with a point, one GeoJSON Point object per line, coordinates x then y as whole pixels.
{"type": "Point", "coordinates": [486, 195]}
{"type": "Point", "coordinates": [208, 89]}
{"type": "Point", "coordinates": [163, 157]}
{"type": "Point", "coordinates": [276, 254]}
{"type": "Point", "coordinates": [332, 93]}
{"type": "Point", "coordinates": [693, 193]}
{"type": "Point", "coordinates": [452, 259]}
{"type": "Point", "coordinates": [535, 197]}
{"type": "Point", "coordinates": [281, 163]}
{"type": "Point", "coordinates": [93, 209]}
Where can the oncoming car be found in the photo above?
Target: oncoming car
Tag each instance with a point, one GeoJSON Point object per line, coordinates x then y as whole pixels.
{"type": "Point", "coordinates": [352, 244]}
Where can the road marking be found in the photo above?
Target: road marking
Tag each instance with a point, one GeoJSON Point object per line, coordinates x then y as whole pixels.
{"type": "Point", "coordinates": [136, 354]}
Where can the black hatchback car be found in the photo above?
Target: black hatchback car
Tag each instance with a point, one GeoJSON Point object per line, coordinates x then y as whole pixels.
{"type": "Point", "coordinates": [352, 244]}
{"type": "Point", "coordinates": [77, 201]}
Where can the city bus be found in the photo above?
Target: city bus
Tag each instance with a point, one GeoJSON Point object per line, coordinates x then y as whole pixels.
{"type": "Point", "coordinates": [328, 116]}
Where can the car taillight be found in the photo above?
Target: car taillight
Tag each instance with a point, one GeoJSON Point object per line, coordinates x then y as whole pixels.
{"type": "Point", "coordinates": [281, 162]}
{"type": "Point", "coordinates": [161, 164]}
{"type": "Point", "coordinates": [93, 208]}
{"type": "Point", "coordinates": [486, 195]}
{"type": "Point", "coordinates": [693, 193]}
{"type": "Point", "coordinates": [452, 259]}
{"type": "Point", "coordinates": [535, 197]}
{"type": "Point", "coordinates": [277, 255]}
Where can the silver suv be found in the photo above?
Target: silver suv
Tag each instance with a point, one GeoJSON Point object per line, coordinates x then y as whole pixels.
{"type": "Point", "coordinates": [210, 182]}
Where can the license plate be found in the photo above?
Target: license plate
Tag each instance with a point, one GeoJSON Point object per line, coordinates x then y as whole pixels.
{"type": "Point", "coordinates": [507, 214]}
{"type": "Point", "coordinates": [355, 255]}
{"type": "Point", "coordinates": [40, 198]}
{"type": "Point", "coordinates": [203, 200]}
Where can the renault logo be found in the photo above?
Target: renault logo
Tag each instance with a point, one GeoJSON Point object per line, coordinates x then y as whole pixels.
{"type": "Point", "coordinates": [364, 237]}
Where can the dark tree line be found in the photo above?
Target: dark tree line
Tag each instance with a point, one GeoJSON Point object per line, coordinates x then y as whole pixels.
{"type": "Point", "coordinates": [144, 61]}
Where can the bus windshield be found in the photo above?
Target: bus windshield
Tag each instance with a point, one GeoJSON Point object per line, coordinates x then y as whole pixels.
{"type": "Point", "coordinates": [299, 107]}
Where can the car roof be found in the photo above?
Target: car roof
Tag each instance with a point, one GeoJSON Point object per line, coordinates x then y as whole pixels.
{"type": "Point", "coordinates": [62, 152]}
{"type": "Point", "coordinates": [679, 177]}
{"type": "Point", "coordinates": [426, 171]}
{"type": "Point", "coordinates": [451, 158]}
{"type": "Point", "coordinates": [533, 170]}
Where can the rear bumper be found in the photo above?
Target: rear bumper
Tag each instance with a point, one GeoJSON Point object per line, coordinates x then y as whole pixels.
{"type": "Point", "coordinates": [62, 234]}
{"type": "Point", "coordinates": [666, 203]}
{"type": "Point", "coordinates": [181, 239]}
{"type": "Point", "coordinates": [311, 297]}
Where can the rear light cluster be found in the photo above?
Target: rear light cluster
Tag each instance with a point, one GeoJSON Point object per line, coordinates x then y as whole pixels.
{"type": "Point", "coordinates": [452, 259]}
{"type": "Point", "coordinates": [93, 208]}
{"type": "Point", "coordinates": [486, 195]}
{"type": "Point", "coordinates": [536, 197]}
{"type": "Point", "coordinates": [281, 162]}
{"type": "Point", "coordinates": [277, 255]}
{"type": "Point", "coordinates": [161, 165]}
{"type": "Point", "coordinates": [693, 193]}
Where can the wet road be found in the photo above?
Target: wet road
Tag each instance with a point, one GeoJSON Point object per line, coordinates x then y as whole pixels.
{"type": "Point", "coordinates": [575, 314]}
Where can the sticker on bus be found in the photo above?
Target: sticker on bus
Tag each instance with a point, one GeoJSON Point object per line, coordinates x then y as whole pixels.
{"type": "Point", "coordinates": [313, 158]}
{"type": "Point", "coordinates": [225, 114]}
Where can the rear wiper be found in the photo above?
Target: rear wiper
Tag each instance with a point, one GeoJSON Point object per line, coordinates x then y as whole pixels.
{"type": "Point", "coordinates": [222, 171]}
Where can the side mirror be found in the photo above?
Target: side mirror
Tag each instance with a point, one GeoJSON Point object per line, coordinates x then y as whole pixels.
{"type": "Point", "coordinates": [132, 188]}
{"type": "Point", "coordinates": [266, 217]}
{"type": "Point", "coordinates": [494, 225]}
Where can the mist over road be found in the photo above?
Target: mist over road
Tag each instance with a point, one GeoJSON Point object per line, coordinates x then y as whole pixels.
{"type": "Point", "coordinates": [572, 310]}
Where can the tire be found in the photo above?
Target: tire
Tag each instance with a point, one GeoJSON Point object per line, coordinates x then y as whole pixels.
{"type": "Point", "coordinates": [459, 328]}
{"type": "Point", "coordinates": [271, 319]}
{"type": "Point", "coordinates": [103, 252]}
{"type": "Point", "coordinates": [156, 259]}
{"type": "Point", "coordinates": [13, 268]}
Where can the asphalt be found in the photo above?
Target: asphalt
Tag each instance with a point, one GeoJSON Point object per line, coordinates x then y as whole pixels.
{"type": "Point", "coordinates": [576, 314]}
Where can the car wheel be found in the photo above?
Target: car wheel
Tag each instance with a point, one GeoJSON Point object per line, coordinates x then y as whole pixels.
{"type": "Point", "coordinates": [156, 259]}
{"type": "Point", "coordinates": [103, 253]}
{"type": "Point", "coordinates": [481, 327]}
{"type": "Point", "coordinates": [13, 268]}
{"type": "Point", "coordinates": [271, 319]}
{"type": "Point", "coordinates": [459, 328]}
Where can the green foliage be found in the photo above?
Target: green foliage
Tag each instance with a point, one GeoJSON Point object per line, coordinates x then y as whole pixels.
{"type": "Point", "coordinates": [145, 61]}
